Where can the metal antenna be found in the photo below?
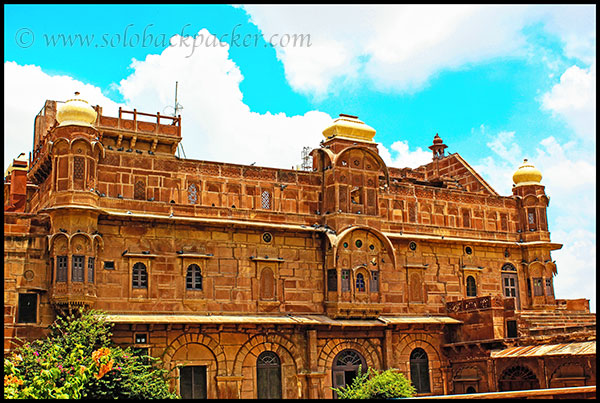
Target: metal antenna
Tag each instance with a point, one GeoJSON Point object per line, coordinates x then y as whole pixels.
{"type": "Point", "coordinates": [176, 109]}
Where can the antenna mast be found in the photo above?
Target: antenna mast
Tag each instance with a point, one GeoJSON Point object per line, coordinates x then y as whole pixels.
{"type": "Point", "coordinates": [177, 107]}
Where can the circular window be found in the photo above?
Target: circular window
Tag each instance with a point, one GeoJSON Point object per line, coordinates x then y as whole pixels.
{"type": "Point", "coordinates": [412, 246]}
{"type": "Point", "coordinates": [372, 247]}
{"type": "Point", "coordinates": [356, 162]}
{"type": "Point", "coordinates": [468, 250]}
{"type": "Point", "coordinates": [267, 237]}
{"type": "Point", "coordinates": [345, 244]}
{"type": "Point", "coordinates": [28, 275]}
{"type": "Point", "coordinates": [358, 243]}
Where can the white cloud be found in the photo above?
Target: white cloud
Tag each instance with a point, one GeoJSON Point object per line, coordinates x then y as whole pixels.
{"type": "Point", "coordinates": [400, 47]}
{"type": "Point", "coordinates": [569, 177]}
{"type": "Point", "coordinates": [574, 100]}
{"type": "Point", "coordinates": [216, 124]}
{"type": "Point", "coordinates": [402, 156]}
{"type": "Point", "coordinates": [26, 88]}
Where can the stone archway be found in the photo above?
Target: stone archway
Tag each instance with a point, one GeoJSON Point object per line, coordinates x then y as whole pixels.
{"type": "Point", "coordinates": [291, 363]}
{"type": "Point", "coordinates": [518, 377]}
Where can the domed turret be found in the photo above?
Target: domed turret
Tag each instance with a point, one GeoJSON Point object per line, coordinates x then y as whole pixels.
{"type": "Point", "coordinates": [76, 112]}
{"type": "Point", "coordinates": [350, 127]}
{"type": "Point", "coordinates": [527, 174]}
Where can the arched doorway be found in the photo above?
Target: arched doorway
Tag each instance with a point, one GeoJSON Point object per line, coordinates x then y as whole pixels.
{"type": "Point", "coordinates": [345, 368]}
{"type": "Point", "coordinates": [518, 378]}
{"type": "Point", "coordinates": [419, 370]}
{"type": "Point", "coordinates": [268, 376]}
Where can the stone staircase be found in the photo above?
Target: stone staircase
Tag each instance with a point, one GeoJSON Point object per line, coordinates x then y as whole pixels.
{"type": "Point", "coordinates": [534, 323]}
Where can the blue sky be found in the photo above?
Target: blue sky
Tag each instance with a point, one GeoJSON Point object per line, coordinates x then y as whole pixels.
{"type": "Point", "coordinates": [498, 83]}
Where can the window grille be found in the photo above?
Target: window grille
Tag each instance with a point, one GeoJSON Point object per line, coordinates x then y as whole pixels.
{"type": "Point", "coordinates": [471, 287]}
{"type": "Point", "coordinates": [193, 279]}
{"type": "Point", "coordinates": [140, 276]}
{"type": "Point", "coordinates": [345, 280]}
{"type": "Point", "coordinates": [78, 168]}
{"type": "Point", "coordinates": [266, 200]}
{"type": "Point", "coordinates": [139, 191]}
{"type": "Point", "coordinates": [193, 194]}
{"type": "Point", "coordinates": [360, 282]}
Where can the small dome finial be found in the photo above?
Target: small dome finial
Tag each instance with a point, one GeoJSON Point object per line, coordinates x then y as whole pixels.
{"type": "Point", "coordinates": [77, 112]}
{"type": "Point", "coordinates": [527, 174]}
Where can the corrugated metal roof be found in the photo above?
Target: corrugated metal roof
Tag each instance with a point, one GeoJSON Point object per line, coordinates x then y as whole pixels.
{"type": "Point", "coordinates": [394, 320]}
{"type": "Point", "coordinates": [575, 348]}
{"type": "Point", "coordinates": [274, 319]}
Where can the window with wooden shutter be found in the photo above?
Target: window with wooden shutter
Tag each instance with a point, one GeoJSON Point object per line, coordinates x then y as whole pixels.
{"type": "Point", "coordinates": [77, 265]}
{"type": "Point", "coordinates": [331, 280]}
{"type": "Point", "coordinates": [61, 268]}
{"type": "Point", "coordinates": [193, 279]}
{"type": "Point", "coordinates": [192, 382]}
{"type": "Point", "coordinates": [345, 280]}
{"type": "Point", "coordinates": [91, 269]}
{"type": "Point", "coordinates": [375, 281]}
{"type": "Point", "coordinates": [139, 276]}
{"type": "Point", "coordinates": [471, 287]}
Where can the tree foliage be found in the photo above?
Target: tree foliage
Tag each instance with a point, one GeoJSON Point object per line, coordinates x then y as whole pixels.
{"type": "Point", "coordinates": [374, 384]}
{"type": "Point", "coordinates": [78, 360]}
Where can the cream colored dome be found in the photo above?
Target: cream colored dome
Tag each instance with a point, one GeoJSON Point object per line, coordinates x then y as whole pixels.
{"type": "Point", "coordinates": [76, 112]}
{"type": "Point", "coordinates": [350, 127]}
{"type": "Point", "coordinates": [527, 174]}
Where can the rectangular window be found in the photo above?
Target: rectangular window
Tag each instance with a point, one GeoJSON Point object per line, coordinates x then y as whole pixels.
{"type": "Point", "coordinates": [538, 288]}
{"type": "Point", "coordinates": [27, 308]}
{"type": "Point", "coordinates": [504, 222]}
{"type": "Point", "coordinates": [331, 280]}
{"type": "Point", "coordinates": [77, 275]}
{"type": "Point", "coordinates": [91, 263]}
{"type": "Point", "coordinates": [192, 382]}
{"type": "Point", "coordinates": [78, 167]}
{"type": "Point", "coordinates": [374, 281]}
{"type": "Point", "coordinates": [466, 218]}
{"type": "Point", "coordinates": [531, 218]}
{"type": "Point", "coordinates": [141, 338]}
{"type": "Point", "coordinates": [345, 280]}
{"type": "Point", "coordinates": [61, 268]}
{"type": "Point", "coordinates": [109, 265]}
{"type": "Point", "coordinates": [549, 287]}
{"type": "Point", "coordinates": [412, 212]}
{"type": "Point", "coordinates": [511, 328]}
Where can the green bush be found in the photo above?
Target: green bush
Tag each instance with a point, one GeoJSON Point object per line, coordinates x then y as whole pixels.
{"type": "Point", "coordinates": [78, 360]}
{"type": "Point", "coordinates": [374, 384]}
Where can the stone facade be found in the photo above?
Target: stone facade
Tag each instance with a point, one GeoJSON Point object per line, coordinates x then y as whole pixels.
{"type": "Point", "coordinates": [216, 266]}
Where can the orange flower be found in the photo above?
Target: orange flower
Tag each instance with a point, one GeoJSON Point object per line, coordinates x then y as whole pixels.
{"type": "Point", "coordinates": [102, 352]}
{"type": "Point", "coordinates": [8, 379]}
{"type": "Point", "coordinates": [104, 368]}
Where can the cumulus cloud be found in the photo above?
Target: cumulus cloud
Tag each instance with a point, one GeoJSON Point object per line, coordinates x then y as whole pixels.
{"type": "Point", "coordinates": [216, 124]}
{"type": "Point", "coordinates": [569, 177]}
{"type": "Point", "coordinates": [573, 99]}
{"type": "Point", "coordinates": [402, 157]}
{"type": "Point", "coordinates": [400, 47]}
{"type": "Point", "coordinates": [26, 89]}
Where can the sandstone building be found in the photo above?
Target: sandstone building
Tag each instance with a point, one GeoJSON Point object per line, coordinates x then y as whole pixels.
{"type": "Point", "coordinates": [257, 282]}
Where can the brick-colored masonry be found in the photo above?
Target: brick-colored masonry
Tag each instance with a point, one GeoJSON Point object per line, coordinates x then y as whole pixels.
{"type": "Point", "coordinates": [280, 283]}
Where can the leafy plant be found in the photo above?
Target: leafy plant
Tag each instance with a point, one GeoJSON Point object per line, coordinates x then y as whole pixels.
{"type": "Point", "coordinates": [78, 360]}
{"type": "Point", "coordinates": [373, 384]}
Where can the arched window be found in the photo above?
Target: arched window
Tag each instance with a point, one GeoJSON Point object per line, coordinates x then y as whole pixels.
{"type": "Point", "coordinates": [265, 201]}
{"type": "Point", "coordinates": [193, 279]}
{"type": "Point", "coordinates": [345, 368]}
{"type": "Point", "coordinates": [419, 370]}
{"type": "Point", "coordinates": [140, 276]}
{"type": "Point", "coordinates": [471, 287]}
{"type": "Point", "coordinates": [267, 284]}
{"type": "Point", "coordinates": [360, 282]}
{"type": "Point", "coordinates": [518, 378]}
{"type": "Point", "coordinates": [268, 376]}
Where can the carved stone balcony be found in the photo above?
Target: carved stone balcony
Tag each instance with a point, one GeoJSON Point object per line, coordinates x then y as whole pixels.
{"type": "Point", "coordinates": [74, 293]}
